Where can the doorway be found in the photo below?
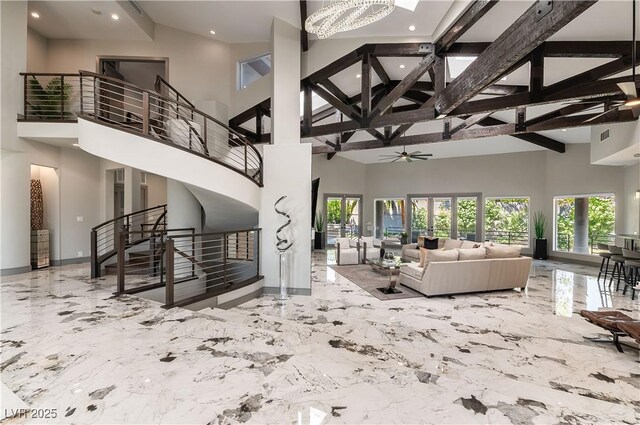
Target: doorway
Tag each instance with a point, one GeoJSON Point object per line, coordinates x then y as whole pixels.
{"type": "Point", "coordinates": [343, 217]}
{"type": "Point", "coordinates": [118, 103]}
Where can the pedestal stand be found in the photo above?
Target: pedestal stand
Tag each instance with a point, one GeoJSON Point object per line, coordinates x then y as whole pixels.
{"type": "Point", "coordinates": [285, 260]}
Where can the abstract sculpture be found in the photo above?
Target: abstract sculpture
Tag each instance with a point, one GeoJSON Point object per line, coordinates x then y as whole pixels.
{"type": "Point", "coordinates": [283, 245]}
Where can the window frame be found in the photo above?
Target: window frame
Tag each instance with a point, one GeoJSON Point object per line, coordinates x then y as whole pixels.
{"type": "Point", "coordinates": [484, 221]}
{"type": "Point", "coordinates": [239, 81]}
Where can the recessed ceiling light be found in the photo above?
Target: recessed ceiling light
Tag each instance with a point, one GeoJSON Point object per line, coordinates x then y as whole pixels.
{"type": "Point", "coordinates": [212, 32]}
{"type": "Point", "coordinates": [114, 17]}
{"type": "Point", "coordinates": [96, 11]}
{"type": "Point", "coordinates": [401, 66]}
{"type": "Point", "coordinates": [35, 15]}
{"type": "Point", "coordinates": [358, 76]}
{"type": "Point", "coordinates": [564, 129]}
{"type": "Point", "coordinates": [412, 28]}
{"type": "Point", "coordinates": [76, 145]}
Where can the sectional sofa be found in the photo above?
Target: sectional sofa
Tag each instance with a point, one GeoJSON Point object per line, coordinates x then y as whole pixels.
{"type": "Point", "coordinates": [459, 267]}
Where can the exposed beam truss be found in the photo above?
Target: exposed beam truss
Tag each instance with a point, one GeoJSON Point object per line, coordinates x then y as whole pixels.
{"type": "Point", "coordinates": [376, 109]}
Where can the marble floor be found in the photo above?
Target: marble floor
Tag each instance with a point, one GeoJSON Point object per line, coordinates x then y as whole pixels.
{"type": "Point", "coordinates": [339, 356]}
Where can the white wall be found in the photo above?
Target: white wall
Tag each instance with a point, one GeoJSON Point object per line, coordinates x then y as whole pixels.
{"type": "Point", "coordinates": [622, 137]}
{"type": "Point", "coordinates": [631, 213]}
{"type": "Point", "coordinates": [539, 175]}
{"type": "Point", "coordinates": [241, 100]}
{"type": "Point", "coordinates": [156, 190]}
{"type": "Point", "coordinates": [198, 65]}
{"type": "Point", "coordinates": [37, 47]}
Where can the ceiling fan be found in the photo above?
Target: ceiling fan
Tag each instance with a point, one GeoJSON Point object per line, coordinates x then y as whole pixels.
{"type": "Point", "coordinates": [408, 157]}
{"type": "Point", "coordinates": [629, 89]}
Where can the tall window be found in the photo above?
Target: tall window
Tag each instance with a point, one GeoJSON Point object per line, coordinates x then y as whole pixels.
{"type": "Point", "coordinates": [506, 220]}
{"type": "Point", "coordinates": [442, 217]}
{"type": "Point", "coordinates": [581, 222]}
{"type": "Point", "coordinates": [419, 217]}
{"type": "Point", "coordinates": [467, 218]}
{"type": "Point", "coordinates": [389, 218]}
{"type": "Point", "coordinates": [252, 70]}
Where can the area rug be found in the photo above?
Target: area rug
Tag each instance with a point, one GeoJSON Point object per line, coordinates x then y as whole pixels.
{"type": "Point", "coordinates": [370, 281]}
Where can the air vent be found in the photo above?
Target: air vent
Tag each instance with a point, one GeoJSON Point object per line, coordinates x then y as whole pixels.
{"type": "Point", "coordinates": [136, 6]}
{"type": "Point", "coordinates": [120, 175]}
{"type": "Point", "coordinates": [604, 135]}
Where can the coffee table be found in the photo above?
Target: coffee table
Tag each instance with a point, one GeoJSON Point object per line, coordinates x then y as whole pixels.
{"type": "Point", "coordinates": [390, 268]}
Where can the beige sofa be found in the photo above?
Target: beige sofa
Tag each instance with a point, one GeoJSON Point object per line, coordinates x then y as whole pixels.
{"type": "Point", "coordinates": [456, 277]}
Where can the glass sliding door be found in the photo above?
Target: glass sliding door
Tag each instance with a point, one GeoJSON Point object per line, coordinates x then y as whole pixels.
{"type": "Point", "coordinates": [343, 215]}
{"type": "Point", "coordinates": [581, 222]}
{"type": "Point", "coordinates": [445, 216]}
{"type": "Point", "coordinates": [389, 216]}
{"type": "Point", "coordinates": [441, 217]}
{"type": "Point", "coordinates": [467, 218]}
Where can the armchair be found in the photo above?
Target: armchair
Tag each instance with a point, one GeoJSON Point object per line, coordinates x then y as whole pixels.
{"type": "Point", "coordinates": [348, 252]}
{"type": "Point", "coordinates": [370, 248]}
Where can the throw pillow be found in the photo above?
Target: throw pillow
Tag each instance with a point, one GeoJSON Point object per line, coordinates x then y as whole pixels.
{"type": "Point", "coordinates": [503, 251]}
{"type": "Point", "coordinates": [471, 254]}
{"type": "Point", "coordinates": [431, 243]}
{"type": "Point", "coordinates": [420, 241]}
{"type": "Point", "coordinates": [450, 244]}
{"type": "Point", "coordinates": [436, 256]}
{"type": "Point", "coordinates": [344, 243]}
{"type": "Point", "coordinates": [469, 245]}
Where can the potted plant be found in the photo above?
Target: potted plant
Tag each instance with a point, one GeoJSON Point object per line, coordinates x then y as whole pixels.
{"type": "Point", "coordinates": [404, 237]}
{"type": "Point", "coordinates": [539, 224]}
{"type": "Point", "coordinates": [50, 101]}
{"type": "Point", "coordinates": [318, 242]}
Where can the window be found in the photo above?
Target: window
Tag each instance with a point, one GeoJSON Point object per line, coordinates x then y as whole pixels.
{"type": "Point", "coordinates": [442, 217]}
{"type": "Point", "coordinates": [389, 218]}
{"type": "Point", "coordinates": [506, 221]}
{"type": "Point", "coordinates": [252, 70]}
{"type": "Point", "coordinates": [467, 218]}
{"type": "Point", "coordinates": [581, 222]}
{"type": "Point", "coordinates": [419, 217]}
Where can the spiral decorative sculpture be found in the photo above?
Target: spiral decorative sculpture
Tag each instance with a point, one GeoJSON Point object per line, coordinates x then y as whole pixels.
{"type": "Point", "coordinates": [283, 244]}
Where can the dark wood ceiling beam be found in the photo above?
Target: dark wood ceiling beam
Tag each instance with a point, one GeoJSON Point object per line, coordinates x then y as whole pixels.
{"type": "Point", "coordinates": [606, 70]}
{"type": "Point", "coordinates": [536, 72]}
{"type": "Point", "coordinates": [397, 49]}
{"type": "Point", "coordinates": [492, 131]}
{"type": "Point", "coordinates": [561, 112]}
{"type": "Point", "coordinates": [365, 86]}
{"type": "Point", "coordinates": [470, 16]}
{"type": "Point", "coordinates": [407, 82]}
{"type": "Point", "coordinates": [379, 69]}
{"type": "Point", "coordinates": [524, 35]}
{"type": "Point", "coordinates": [470, 121]}
{"type": "Point", "coordinates": [340, 105]}
{"type": "Point", "coordinates": [304, 36]}
{"type": "Point", "coordinates": [536, 139]}
{"type": "Point", "coordinates": [336, 66]}
{"type": "Point", "coordinates": [587, 49]}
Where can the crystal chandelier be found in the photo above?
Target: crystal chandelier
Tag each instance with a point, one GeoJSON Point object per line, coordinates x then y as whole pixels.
{"type": "Point", "coordinates": [346, 15]}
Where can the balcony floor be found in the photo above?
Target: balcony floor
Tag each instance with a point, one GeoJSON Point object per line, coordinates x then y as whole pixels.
{"type": "Point", "coordinates": [338, 356]}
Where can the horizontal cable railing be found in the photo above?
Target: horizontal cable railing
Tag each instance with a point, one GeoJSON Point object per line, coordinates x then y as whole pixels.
{"type": "Point", "coordinates": [105, 235]}
{"type": "Point", "coordinates": [565, 242]}
{"type": "Point", "coordinates": [51, 97]}
{"type": "Point", "coordinates": [190, 266]}
{"type": "Point", "coordinates": [507, 237]}
{"type": "Point", "coordinates": [131, 108]}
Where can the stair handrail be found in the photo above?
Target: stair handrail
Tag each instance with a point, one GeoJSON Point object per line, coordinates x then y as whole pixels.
{"type": "Point", "coordinates": [128, 215]}
{"type": "Point", "coordinates": [162, 82]}
{"type": "Point", "coordinates": [234, 136]}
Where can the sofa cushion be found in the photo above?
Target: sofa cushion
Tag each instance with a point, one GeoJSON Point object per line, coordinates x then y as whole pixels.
{"type": "Point", "coordinates": [436, 256]}
{"type": "Point", "coordinates": [413, 270]}
{"type": "Point", "coordinates": [344, 243]}
{"type": "Point", "coordinates": [470, 245]}
{"type": "Point", "coordinates": [503, 251]}
{"type": "Point", "coordinates": [450, 244]}
{"type": "Point", "coordinates": [472, 254]}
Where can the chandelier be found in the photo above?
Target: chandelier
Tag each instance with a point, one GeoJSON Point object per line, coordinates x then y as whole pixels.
{"type": "Point", "coordinates": [346, 15]}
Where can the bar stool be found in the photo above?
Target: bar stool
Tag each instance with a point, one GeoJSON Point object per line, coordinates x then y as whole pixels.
{"type": "Point", "coordinates": [606, 257]}
{"type": "Point", "coordinates": [618, 266]}
{"type": "Point", "coordinates": [632, 261]}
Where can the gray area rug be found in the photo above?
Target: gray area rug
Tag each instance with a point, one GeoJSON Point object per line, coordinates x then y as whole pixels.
{"type": "Point", "coordinates": [370, 281]}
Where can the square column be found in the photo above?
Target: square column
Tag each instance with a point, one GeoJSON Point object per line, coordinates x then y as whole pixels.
{"type": "Point", "coordinates": [287, 168]}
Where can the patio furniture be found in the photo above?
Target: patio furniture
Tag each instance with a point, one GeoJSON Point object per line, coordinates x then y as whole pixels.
{"type": "Point", "coordinates": [609, 320]}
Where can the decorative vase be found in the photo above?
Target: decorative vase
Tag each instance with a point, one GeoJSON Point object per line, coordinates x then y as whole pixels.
{"type": "Point", "coordinates": [540, 251]}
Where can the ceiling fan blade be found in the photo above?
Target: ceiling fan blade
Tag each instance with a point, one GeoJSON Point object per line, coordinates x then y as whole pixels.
{"type": "Point", "coordinates": [423, 154]}
{"type": "Point", "coordinates": [629, 89]}
{"type": "Point", "coordinates": [602, 114]}
{"type": "Point", "coordinates": [388, 156]}
{"type": "Point", "coordinates": [414, 153]}
{"type": "Point", "coordinates": [420, 159]}
{"type": "Point", "coordinates": [395, 160]}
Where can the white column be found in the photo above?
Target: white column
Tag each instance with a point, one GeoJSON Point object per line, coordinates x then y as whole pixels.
{"type": "Point", "coordinates": [15, 169]}
{"type": "Point", "coordinates": [287, 166]}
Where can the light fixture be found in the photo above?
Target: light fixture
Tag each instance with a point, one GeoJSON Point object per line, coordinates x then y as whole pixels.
{"type": "Point", "coordinates": [412, 28]}
{"type": "Point", "coordinates": [35, 15]}
{"type": "Point", "coordinates": [76, 145]}
{"type": "Point", "coordinates": [346, 15]}
{"type": "Point", "coordinates": [638, 194]}
{"type": "Point", "coordinates": [401, 66]}
{"type": "Point", "coordinates": [564, 129]}
{"type": "Point", "coordinates": [212, 32]}
{"type": "Point", "coordinates": [96, 11]}
{"type": "Point", "coordinates": [358, 76]}
{"type": "Point", "coordinates": [114, 17]}
{"type": "Point", "coordinates": [635, 101]}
